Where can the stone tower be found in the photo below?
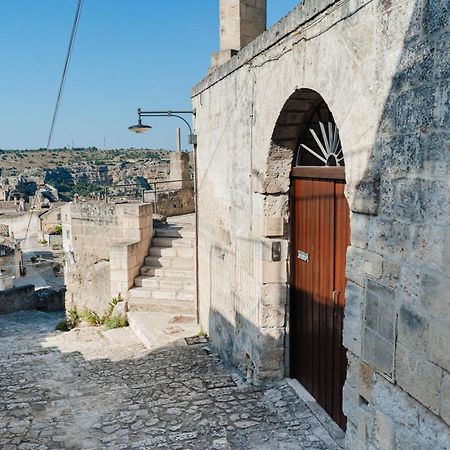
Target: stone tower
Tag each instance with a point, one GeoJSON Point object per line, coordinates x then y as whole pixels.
{"type": "Point", "coordinates": [241, 21]}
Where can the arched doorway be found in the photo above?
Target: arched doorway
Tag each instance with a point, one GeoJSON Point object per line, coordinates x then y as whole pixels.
{"type": "Point", "coordinates": [320, 235]}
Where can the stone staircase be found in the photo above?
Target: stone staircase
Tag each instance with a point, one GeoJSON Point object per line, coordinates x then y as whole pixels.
{"type": "Point", "coordinates": [167, 280]}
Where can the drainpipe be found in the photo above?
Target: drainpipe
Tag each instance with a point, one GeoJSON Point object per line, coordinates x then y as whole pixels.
{"type": "Point", "coordinates": [197, 301]}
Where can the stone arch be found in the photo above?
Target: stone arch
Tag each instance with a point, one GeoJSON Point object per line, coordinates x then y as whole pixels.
{"type": "Point", "coordinates": [292, 124]}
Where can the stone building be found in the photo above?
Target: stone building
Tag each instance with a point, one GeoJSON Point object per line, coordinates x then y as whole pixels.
{"type": "Point", "coordinates": [11, 259]}
{"type": "Point", "coordinates": [323, 209]}
{"type": "Point", "coordinates": [49, 219]}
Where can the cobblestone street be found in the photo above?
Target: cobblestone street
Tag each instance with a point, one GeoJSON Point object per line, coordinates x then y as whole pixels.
{"type": "Point", "coordinates": [88, 389]}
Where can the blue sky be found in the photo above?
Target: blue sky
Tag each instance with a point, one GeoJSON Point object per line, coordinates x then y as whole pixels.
{"type": "Point", "coordinates": [129, 53]}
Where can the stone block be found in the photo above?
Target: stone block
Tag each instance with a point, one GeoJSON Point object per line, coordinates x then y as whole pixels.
{"type": "Point", "coordinates": [419, 200]}
{"type": "Point", "coordinates": [444, 409]}
{"type": "Point", "coordinates": [274, 272]}
{"type": "Point", "coordinates": [436, 161]}
{"type": "Point", "coordinates": [364, 195]}
{"type": "Point", "coordinates": [270, 355]}
{"type": "Point", "coordinates": [352, 377]}
{"type": "Point", "coordinates": [440, 344]}
{"type": "Point", "coordinates": [391, 237]}
{"type": "Point", "coordinates": [413, 330]}
{"type": "Point", "coordinates": [391, 273]}
{"type": "Point", "coordinates": [379, 326]}
{"type": "Point", "coordinates": [378, 352]}
{"type": "Point", "coordinates": [441, 105]}
{"type": "Point", "coordinates": [273, 305]}
{"type": "Point", "coordinates": [351, 403]}
{"type": "Point", "coordinates": [221, 57]}
{"type": "Point", "coordinates": [415, 66]}
{"type": "Point", "coordinates": [361, 263]}
{"type": "Point", "coordinates": [353, 318]}
{"type": "Point", "coordinates": [425, 289]}
{"type": "Point", "coordinates": [365, 381]}
{"type": "Point", "coordinates": [437, 15]}
{"type": "Point", "coordinates": [371, 310]}
{"type": "Point", "coordinates": [419, 377]}
{"type": "Point", "coordinates": [441, 60]}
{"type": "Point", "coordinates": [433, 431]}
{"type": "Point", "coordinates": [387, 198]}
{"type": "Point", "coordinates": [273, 226]}
{"type": "Point", "coordinates": [276, 205]}
{"type": "Point", "coordinates": [401, 154]}
{"type": "Point", "coordinates": [384, 432]}
{"type": "Point", "coordinates": [359, 230]}
{"type": "Point", "coordinates": [351, 438]}
{"type": "Point", "coordinates": [414, 109]}
{"type": "Point", "coordinates": [430, 246]}
{"type": "Point", "coordinates": [396, 403]}
{"type": "Point", "coordinates": [362, 426]}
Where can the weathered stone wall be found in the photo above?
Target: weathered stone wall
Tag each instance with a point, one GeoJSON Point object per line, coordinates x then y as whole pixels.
{"type": "Point", "coordinates": [382, 68]}
{"type": "Point", "coordinates": [9, 204]}
{"type": "Point", "coordinates": [175, 203]}
{"type": "Point", "coordinates": [11, 264]}
{"type": "Point", "coordinates": [105, 247]}
{"type": "Point", "coordinates": [24, 298]}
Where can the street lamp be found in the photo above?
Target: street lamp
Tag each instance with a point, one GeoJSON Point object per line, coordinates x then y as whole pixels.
{"type": "Point", "coordinates": [141, 128]}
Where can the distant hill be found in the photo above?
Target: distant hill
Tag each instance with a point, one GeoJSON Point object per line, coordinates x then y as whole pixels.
{"type": "Point", "coordinates": [16, 162]}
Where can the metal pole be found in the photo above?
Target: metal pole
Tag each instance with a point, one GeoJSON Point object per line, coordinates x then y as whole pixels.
{"type": "Point", "coordinates": [178, 139]}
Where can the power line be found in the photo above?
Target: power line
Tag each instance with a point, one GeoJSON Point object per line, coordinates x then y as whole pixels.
{"type": "Point", "coordinates": [60, 92]}
{"type": "Point", "coordinates": [66, 68]}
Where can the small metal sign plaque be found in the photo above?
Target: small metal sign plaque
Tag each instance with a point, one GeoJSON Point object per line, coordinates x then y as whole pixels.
{"type": "Point", "coordinates": [303, 256]}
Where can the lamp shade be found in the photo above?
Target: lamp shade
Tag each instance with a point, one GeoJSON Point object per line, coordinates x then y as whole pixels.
{"type": "Point", "coordinates": [140, 128]}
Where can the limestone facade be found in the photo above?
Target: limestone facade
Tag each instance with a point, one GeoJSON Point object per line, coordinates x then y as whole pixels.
{"type": "Point", "coordinates": [105, 246]}
{"type": "Point", "coordinates": [382, 68]}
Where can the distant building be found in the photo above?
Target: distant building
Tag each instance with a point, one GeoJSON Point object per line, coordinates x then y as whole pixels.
{"type": "Point", "coordinates": [11, 262]}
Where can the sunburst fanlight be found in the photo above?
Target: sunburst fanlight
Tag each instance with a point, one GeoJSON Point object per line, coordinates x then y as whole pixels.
{"type": "Point", "coordinates": [330, 146]}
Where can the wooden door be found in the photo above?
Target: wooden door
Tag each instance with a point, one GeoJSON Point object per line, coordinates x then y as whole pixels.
{"type": "Point", "coordinates": [321, 235]}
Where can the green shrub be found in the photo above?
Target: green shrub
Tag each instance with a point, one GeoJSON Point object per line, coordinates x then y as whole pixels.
{"type": "Point", "coordinates": [57, 230]}
{"type": "Point", "coordinates": [73, 318]}
{"type": "Point", "coordinates": [115, 322]}
{"type": "Point", "coordinates": [62, 325]}
{"type": "Point", "coordinates": [92, 318]}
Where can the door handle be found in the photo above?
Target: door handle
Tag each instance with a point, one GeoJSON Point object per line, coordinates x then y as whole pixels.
{"type": "Point", "coordinates": [335, 296]}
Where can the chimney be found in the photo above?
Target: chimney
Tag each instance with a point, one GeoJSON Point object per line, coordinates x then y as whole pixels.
{"type": "Point", "coordinates": [241, 21]}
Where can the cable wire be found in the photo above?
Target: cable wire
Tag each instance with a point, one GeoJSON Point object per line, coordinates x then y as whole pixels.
{"type": "Point", "coordinates": [72, 39]}
{"type": "Point", "coordinates": [66, 68]}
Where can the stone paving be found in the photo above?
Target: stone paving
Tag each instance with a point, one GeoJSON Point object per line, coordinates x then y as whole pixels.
{"type": "Point", "coordinates": [90, 389]}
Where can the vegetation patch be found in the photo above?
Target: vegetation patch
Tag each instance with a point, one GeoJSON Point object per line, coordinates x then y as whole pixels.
{"type": "Point", "coordinates": [74, 318]}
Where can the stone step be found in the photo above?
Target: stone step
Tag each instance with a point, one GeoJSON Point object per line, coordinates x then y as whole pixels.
{"type": "Point", "coordinates": [180, 284]}
{"type": "Point", "coordinates": [175, 232]}
{"type": "Point", "coordinates": [172, 262]}
{"type": "Point", "coordinates": [159, 329]}
{"type": "Point", "coordinates": [182, 252]}
{"type": "Point", "coordinates": [162, 294]}
{"type": "Point", "coordinates": [172, 242]}
{"type": "Point", "coordinates": [171, 273]}
{"type": "Point", "coordinates": [139, 303]}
